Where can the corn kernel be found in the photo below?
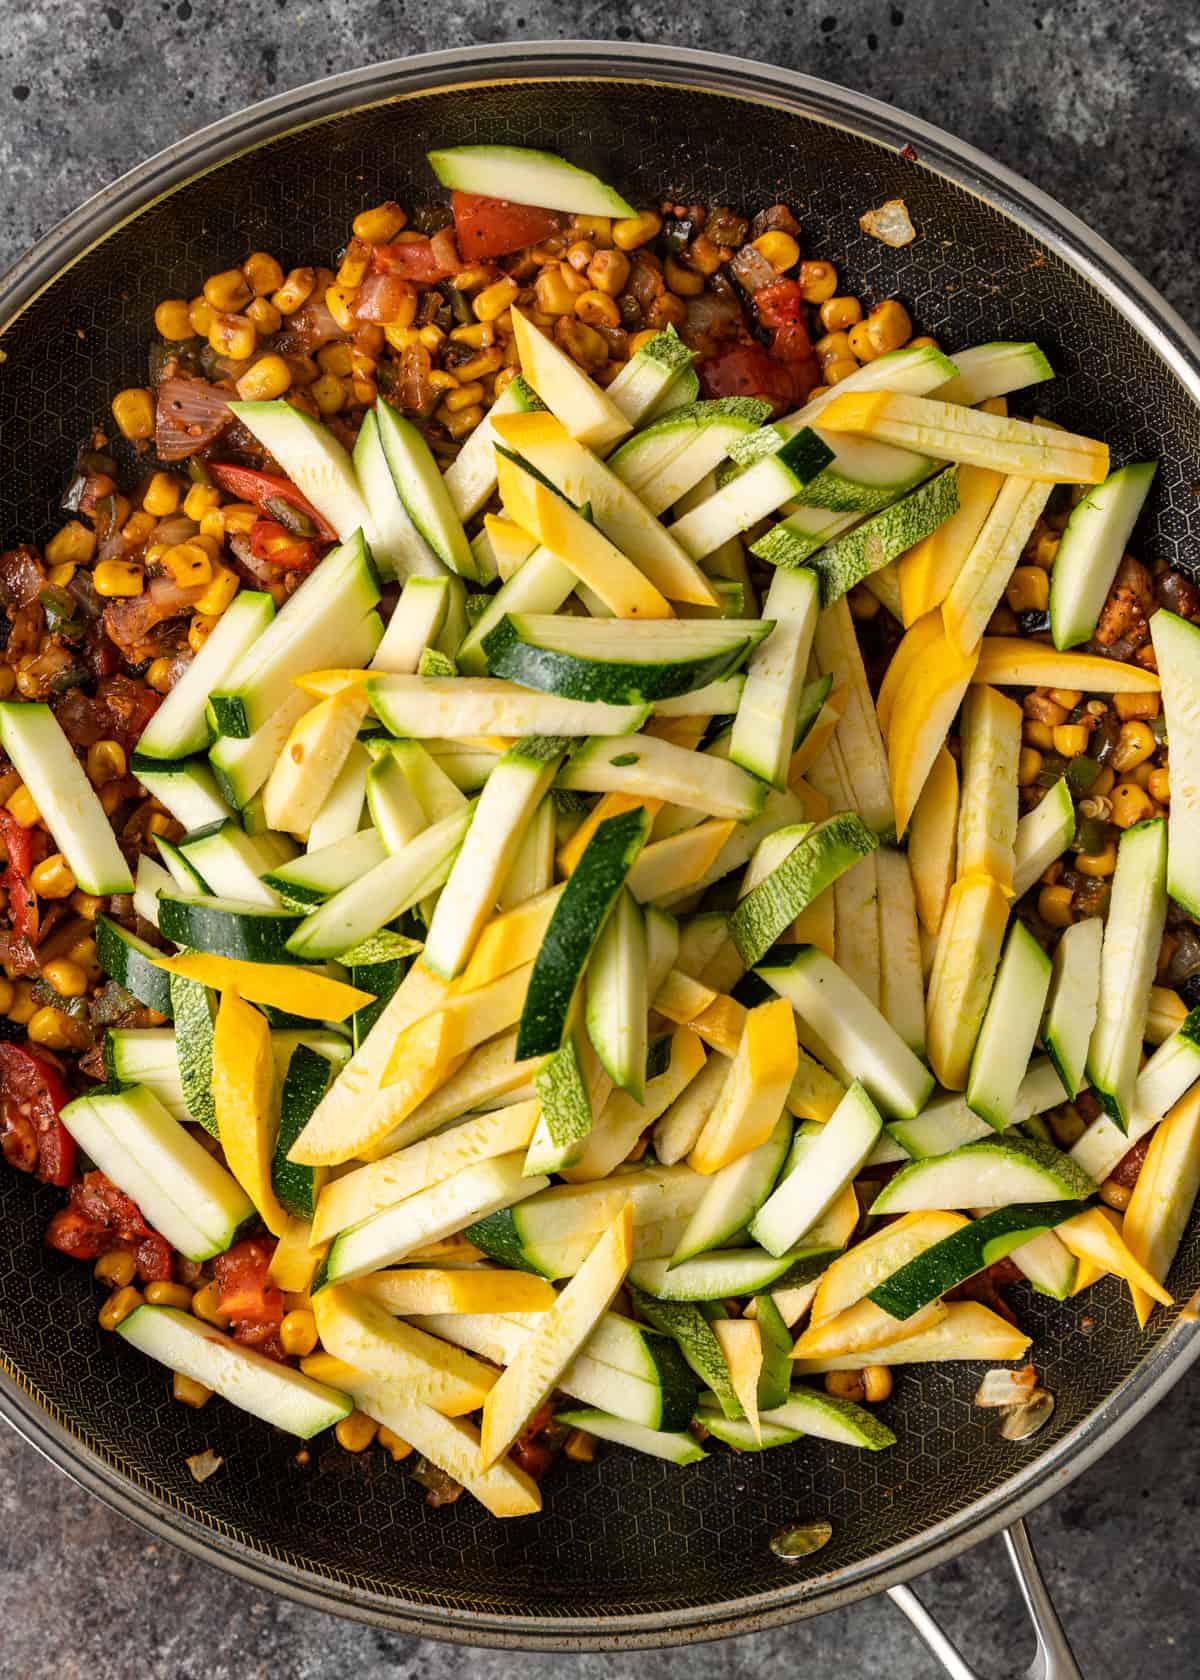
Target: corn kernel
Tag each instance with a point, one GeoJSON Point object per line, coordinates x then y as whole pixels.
{"type": "Point", "coordinates": [846, 1385]}
{"type": "Point", "coordinates": [161, 495]}
{"type": "Point", "coordinates": [684, 282]}
{"type": "Point", "coordinates": [66, 977]}
{"type": "Point", "coordinates": [877, 1383]}
{"type": "Point", "coordinates": [116, 1268]}
{"type": "Point", "coordinates": [479, 367]}
{"type": "Point", "coordinates": [466, 396]}
{"type": "Point", "coordinates": [227, 292]}
{"type": "Point", "coordinates": [172, 321]}
{"type": "Point", "coordinates": [233, 336]}
{"type": "Point", "coordinates": [266, 317]}
{"type": "Point", "coordinates": [554, 296]}
{"type": "Point", "coordinates": [269, 377]}
{"type": "Point", "coordinates": [219, 593]}
{"type": "Point", "coordinates": [459, 423]}
{"type": "Point", "coordinates": [20, 804]}
{"type": "Point", "coordinates": [298, 1332]}
{"type": "Point", "coordinates": [631, 232]}
{"type": "Point", "coordinates": [840, 369]}
{"type": "Point", "coordinates": [187, 1390]}
{"type": "Point", "coordinates": [1028, 590]}
{"type": "Point", "coordinates": [119, 1306]}
{"type": "Point", "coordinates": [579, 255]}
{"type": "Point", "coordinates": [22, 1009]}
{"type": "Point", "coordinates": [159, 675]}
{"type": "Point", "coordinates": [1070, 739]}
{"type": "Point", "coordinates": [7, 993]}
{"type": "Point", "coordinates": [201, 314]}
{"type": "Point", "coordinates": [1054, 906]}
{"type": "Point", "coordinates": [379, 225]}
{"type": "Point", "coordinates": [328, 393]}
{"type": "Point", "coordinates": [1098, 864]}
{"type": "Point", "coordinates": [1137, 705]}
{"type": "Point", "coordinates": [1045, 549]}
{"type": "Point", "coordinates": [199, 630]}
{"type": "Point", "coordinates": [861, 342]}
{"type": "Point", "coordinates": [60, 577]}
{"type": "Point", "coordinates": [237, 516]}
{"type": "Point", "coordinates": [1159, 786]}
{"type": "Point", "coordinates": [337, 301]}
{"type": "Point", "coordinates": [780, 250]}
{"type": "Point", "coordinates": [200, 499]}
{"type": "Point", "coordinates": [206, 1305]}
{"type": "Point", "coordinates": [580, 1447]}
{"type": "Point", "coordinates": [1028, 765]}
{"type": "Point", "coordinates": [52, 878]}
{"type": "Point", "coordinates": [356, 1432]}
{"type": "Point", "coordinates": [839, 313]}
{"type": "Point", "coordinates": [167, 1294]}
{"type": "Point", "coordinates": [118, 577]}
{"type": "Point", "coordinates": [296, 290]}
{"type": "Point", "coordinates": [431, 337]}
{"type": "Point", "coordinates": [1135, 745]}
{"type": "Point", "coordinates": [106, 762]}
{"type": "Point", "coordinates": [596, 228]}
{"type": "Point", "coordinates": [73, 545]}
{"type": "Point", "coordinates": [352, 270]}
{"type": "Point", "coordinates": [133, 410]}
{"type": "Point", "coordinates": [495, 299]}
{"type": "Point", "coordinates": [392, 1444]}
{"type": "Point", "coordinates": [608, 272]}
{"type": "Point", "coordinates": [597, 309]}
{"type": "Point", "coordinates": [889, 326]}
{"type": "Point", "coordinates": [51, 1029]}
{"type": "Point", "coordinates": [188, 565]}
{"type": "Point", "coordinates": [1130, 804]}
{"type": "Point", "coordinates": [262, 273]}
{"type": "Point", "coordinates": [818, 281]}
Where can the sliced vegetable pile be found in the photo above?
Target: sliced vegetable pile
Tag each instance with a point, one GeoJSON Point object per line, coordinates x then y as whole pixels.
{"type": "Point", "coordinates": [611, 1003]}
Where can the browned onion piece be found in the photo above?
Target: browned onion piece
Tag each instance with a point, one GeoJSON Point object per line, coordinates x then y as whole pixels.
{"type": "Point", "coordinates": [190, 414]}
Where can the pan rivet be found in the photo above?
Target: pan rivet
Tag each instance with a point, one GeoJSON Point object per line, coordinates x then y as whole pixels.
{"type": "Point", "coordinates": [801, 1540]}
{"type": "Point", "coordinates": [1020, 1422]}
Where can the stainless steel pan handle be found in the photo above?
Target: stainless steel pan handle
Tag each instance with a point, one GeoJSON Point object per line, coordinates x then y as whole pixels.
{"type": "Point", "coordinates": [1053, 1659]}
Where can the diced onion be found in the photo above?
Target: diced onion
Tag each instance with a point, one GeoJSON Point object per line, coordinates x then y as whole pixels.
{"type": "Point", "coordinates": [891, 224]}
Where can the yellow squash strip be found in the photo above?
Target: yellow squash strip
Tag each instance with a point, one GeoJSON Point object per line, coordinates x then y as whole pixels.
{"type": "Point", "coordinates": [323, 684]}
{"type": "Point", "coordinates": [422, 1060]}
{"type": "Point", "coordinates": [509, 941]}
{"type": "Point", "coordinates": [311, 761]}
{"type": "Point", "coordinates": [987, 814]}
{"type": "Point", "coordinates": [755, 1089]}
{"type": "Point", "coordinates": [488, 1073]}
{"type": "Point", "coordinates": [1166, 1014]}
{"type": "Point", "coordinates": [590, 414]}
{"type": "Point", "coordinates": [418, 1290]}
{"type": "Point", "coordinates": [1090, 1236]}
{"type": "Point", "coordinates": [358, 1330]}
{"type": "Point", "coordinates": [813, 1095]}
{"type": "Point", "coordinates": [914, 644]}
{"type": "Point", "coordinates": [950, 432]}
{"type": "Point", "coordinates": [1164, 1195]}
{"type": "Point", "coordinates": [979, 587]}
{"type": "Point", "coordinates": [933, 840]}
{"type": "Point", "coordinates": [927, 572]}
{"type": "Point", "coordinates": [816, 924]}
{"type": "Point", "coordinates": [968, 950]}
{"type": "Point", "coordinates": [245, 1098]}
{"type": "Point", "coordinates": [298, 990]}
{"type": "Point", "coordinates": [719, 1020]}
{"type": "Point", "coordinates": [544, 442]}
{"type": "Point", "coordinates": [667, 866]}
{"type": "Point", "coordinates": [1017, 662]}
{"type": "Point", "coordinates": [510, 545]}
{"type": "Point", "coordinates": [838, 1223]}
{"type": "Point", "coordinates": [621, 1120]}
{"type": "Point", "coordinates": [472, 1017]}
{"type": "Point", "coordinates": [368, 1190]}
{"type": "Point", "coordinates": [295, 1260]}
{"type": "Point", "coordinates": [740, 1341]}
{"type": "Point", "coordinates": [862, 1326]}
{"type": "Point", "coordinates": [968, 1331]}
{"type": "Point", "coordinates": [922, 712]}
{"type": "Point", "coordinates": [1086, 1274]}
{"type": "Point", "coordinates": [608, 805]}
{"type": "Point", "coordinates": [584, 550]}
{"type": "Point", "coordinates": [854, 1274]}
{"type": "Point", "coordinates": [560, 1334]}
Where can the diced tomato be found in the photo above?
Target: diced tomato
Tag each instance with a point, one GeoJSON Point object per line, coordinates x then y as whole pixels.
{"type": "Point", "coordinates": [253, 1304]}
{"type": "Point", "coordinates": [778, 303]}
{"type": "Point", "coordinates": [22, 905]}
{"type": "Point", "coordinates": [419, 259]}
{"type": "Point", "coordinates": [31, 1094]}
{"type": "Point", "coordinates": [790, 343]}
{"type": "Point", "coordinates": [260, 488]}
{"type": "Point", "coordinates": [492, 227]}
{"type": "Point", "coordinates": [531, 1451]}
{"type": "Point", "coordinates": [270, 541]}
{"type": "Point", "coordinates": [100, 1218]}
{"type": "Point", "coordinates": [749, 370]}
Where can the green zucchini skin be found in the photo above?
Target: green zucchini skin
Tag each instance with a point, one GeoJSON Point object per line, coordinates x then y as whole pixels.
{"type": "Point", "coordinates": [227, 929]}
{"type": "Point", "coordinates": [195, 1019]}
{"type": "Point", "coordinates": [966, 1251]}
{"type": "Point", "coordinates": [694, 1337]}
{"type": "Point", "coordinates": [886, 535]}
{"type": "Point", "coordinates": [814, 864]}
{"type": "Point", "coordinates": [130, 962]}
{"type": "Point", "coordinates": [516, 649]}
{"type": "Point", "coordinates": [305, 1083]}
{"type": "Point", "coordinates": [587, 898]}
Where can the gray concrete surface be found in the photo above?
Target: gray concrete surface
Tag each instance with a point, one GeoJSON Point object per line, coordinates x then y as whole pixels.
{"type": "Point", "coordinates": [1095, 103]}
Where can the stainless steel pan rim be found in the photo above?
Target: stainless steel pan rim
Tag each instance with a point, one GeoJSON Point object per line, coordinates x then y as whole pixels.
{"type": "Point", "coordinates": [1039, 1476]}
